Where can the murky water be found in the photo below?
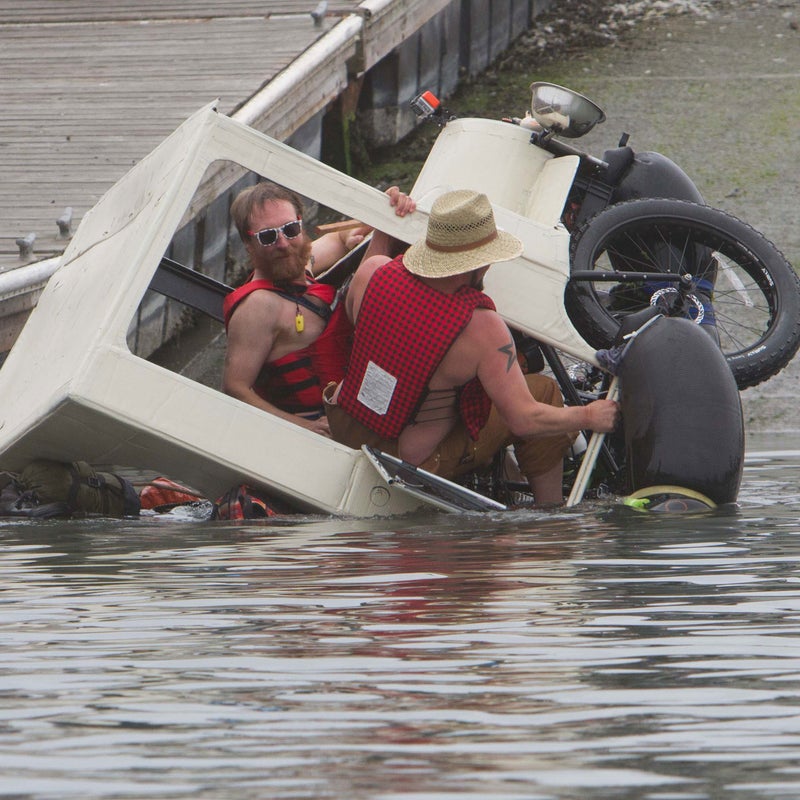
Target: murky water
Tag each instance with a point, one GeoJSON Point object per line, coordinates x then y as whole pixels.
{"type": "Point", "coordinates": [600, 653]}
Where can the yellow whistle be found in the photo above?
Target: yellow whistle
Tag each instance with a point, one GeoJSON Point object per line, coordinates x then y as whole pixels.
{"type": "Point", "coordinates": [299, 323]}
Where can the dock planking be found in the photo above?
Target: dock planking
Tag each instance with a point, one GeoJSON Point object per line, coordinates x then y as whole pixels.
{"type": "Point", "coordinates": [89, 90]}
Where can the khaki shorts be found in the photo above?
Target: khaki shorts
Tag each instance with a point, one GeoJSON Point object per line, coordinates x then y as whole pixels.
{"type": "Point", "coordinates": [457, 453]}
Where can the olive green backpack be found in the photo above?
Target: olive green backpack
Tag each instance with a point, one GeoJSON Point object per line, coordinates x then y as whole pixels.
{"type": "Point", "coordinates": [47, 488]}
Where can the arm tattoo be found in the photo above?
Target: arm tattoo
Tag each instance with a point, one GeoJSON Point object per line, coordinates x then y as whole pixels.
{"type": "Point", "coordinates": [508, 349]}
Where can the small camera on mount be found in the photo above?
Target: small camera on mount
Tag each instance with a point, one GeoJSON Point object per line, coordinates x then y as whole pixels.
{"type": "Point", "coordinates": [427, 106]}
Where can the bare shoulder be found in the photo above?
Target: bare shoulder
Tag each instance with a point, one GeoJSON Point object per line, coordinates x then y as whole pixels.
{"type": "Point", "coordinates": [258, 311]}
{"type": "Point", "coordinates": [490, 342]}
{"type": "Point", "coordinates": [368, 267]}
{"type": "Point", "coordinates": [358, 285]}
{"type": "Point", "coordinates": [484, 340]}
{"type": "Point", "coordinates": [488, 327]}
{"type": "Point", "coordinates": [261, 301]}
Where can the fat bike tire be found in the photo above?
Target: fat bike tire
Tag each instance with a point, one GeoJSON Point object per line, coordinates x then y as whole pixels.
{"type": "Point", "coordinates": [756, 292]}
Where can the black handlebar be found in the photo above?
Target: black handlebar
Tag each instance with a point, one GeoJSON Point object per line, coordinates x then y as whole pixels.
{"type": "Point", "coordinates": [547, 141]}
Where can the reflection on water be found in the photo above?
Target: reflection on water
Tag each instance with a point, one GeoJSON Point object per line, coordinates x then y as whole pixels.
{"type": "Point", "coordinates": [600, 653]}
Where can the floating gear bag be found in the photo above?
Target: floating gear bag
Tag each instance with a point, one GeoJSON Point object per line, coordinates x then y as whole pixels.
{"type": "Point", "coordinates": [48, 488]}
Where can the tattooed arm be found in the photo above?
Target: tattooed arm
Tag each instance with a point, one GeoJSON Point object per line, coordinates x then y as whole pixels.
{"type": "Point", "coordinates": [501, 376]}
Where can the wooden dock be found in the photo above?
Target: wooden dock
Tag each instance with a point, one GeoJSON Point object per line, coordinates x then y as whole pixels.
{"type": "Point", "coordinates": [90, 89]}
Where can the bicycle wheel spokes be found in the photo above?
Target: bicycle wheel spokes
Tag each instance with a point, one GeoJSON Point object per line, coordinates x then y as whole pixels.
{"type": "Point", "coordinates": [744, 310]}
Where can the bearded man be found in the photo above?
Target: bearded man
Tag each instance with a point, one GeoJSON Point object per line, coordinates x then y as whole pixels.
{"type": "Point", "coordinates": [287, 334]}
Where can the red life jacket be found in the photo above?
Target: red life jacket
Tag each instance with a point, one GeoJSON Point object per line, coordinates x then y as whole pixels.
{"type": "Point", "coordinates": [294, 382]}
{"type": "Point", "coordinates": [388, 375]}
{"type": "Point", "coordinates": [246, 502]}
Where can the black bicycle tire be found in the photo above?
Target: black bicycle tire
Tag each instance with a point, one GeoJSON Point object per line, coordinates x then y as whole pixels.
{"type": "Point", "coordinates": [771, 272]}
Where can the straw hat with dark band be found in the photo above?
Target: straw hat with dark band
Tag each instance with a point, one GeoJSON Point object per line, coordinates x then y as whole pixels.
{"type": "Point", "coordinates": [461, 236]}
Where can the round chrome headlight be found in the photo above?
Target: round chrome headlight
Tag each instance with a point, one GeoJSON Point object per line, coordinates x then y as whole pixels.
{"type": "Point", "coordinates": [563, 111]}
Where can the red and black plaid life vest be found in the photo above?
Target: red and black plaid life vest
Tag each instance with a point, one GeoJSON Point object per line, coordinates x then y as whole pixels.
{"type": "Point", "coordinates": [404, 330]}
{"type": "Point", "coordinates": [295, 381]}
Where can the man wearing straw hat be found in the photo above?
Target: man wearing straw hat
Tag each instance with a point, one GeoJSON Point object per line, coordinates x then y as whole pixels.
{"type": "Point", "coordinates": [433, 376]}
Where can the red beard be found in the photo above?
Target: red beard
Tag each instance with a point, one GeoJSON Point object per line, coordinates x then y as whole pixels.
{"type": "Point", "coordinates": [289, 267]}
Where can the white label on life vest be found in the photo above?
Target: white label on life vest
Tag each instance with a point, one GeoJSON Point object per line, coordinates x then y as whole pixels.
{"type": "Point", "coordinates": [377, 389]}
